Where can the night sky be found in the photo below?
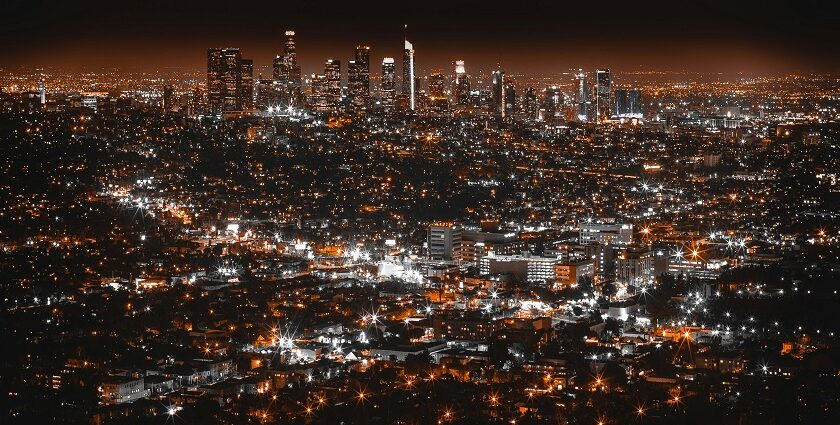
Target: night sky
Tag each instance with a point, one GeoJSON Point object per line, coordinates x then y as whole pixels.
{"type": "Point", "coordinates": [539, 37]}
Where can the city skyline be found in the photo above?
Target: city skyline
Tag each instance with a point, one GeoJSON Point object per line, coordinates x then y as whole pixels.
{"type": "Point", "coordinates": [769, 39]}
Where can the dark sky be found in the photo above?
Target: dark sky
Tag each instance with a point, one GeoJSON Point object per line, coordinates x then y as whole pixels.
{"type": "Point", "coordinates": [524, 36]}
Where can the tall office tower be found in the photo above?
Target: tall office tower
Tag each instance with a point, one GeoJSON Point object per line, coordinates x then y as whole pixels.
{"type": "Point", "coordinates": [287, 71]}
{"type": "Point", "coordinates": [42, 92]}
{"type": "Point", "coordinates": [509, 98]}
{"type": "Point", "coordinates": [358, 77]}
{"type": "Point", "coordinates": [332, 72]}
{"type": "Point", "coordinates": [408, 81]}
{"type": "Point", "coordinates": [628, 103]}
{"type": "Point", "coordinates": [227, 87]}
{"type": "Point", "coordinates": [388, 84]}
{"type": "Point", "coordinates": [462, 84]}
{"type": "Point", "coordinates": [583, 97]}
{"type": "Point", "coordinates": [438, 100]}
{"type": "Point", "coordinates": [264, 93]}
{"type": "Point", "coordinates": [553, 100]}
{"type": "Point", "coordinates": [603, 91]}
{"type": "Point", "coordinates": [620, 103]}
{"type": "Point", "coordinates": [319, 96]}
{"type": "Point", "coordinates": [246, 89]}
{"type": "Point", "coordinates": [168, 93]}
{"type": "Point", "coordinates": [634, 103]}
{"type": "Point", "coordinates": [437, 85]}
{"type": "Point", "coordinates": [530, 104]}
{"type": "Point", "coordinates": [497, 97]}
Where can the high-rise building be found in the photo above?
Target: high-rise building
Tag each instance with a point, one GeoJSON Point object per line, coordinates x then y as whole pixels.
{"type": "Point", "coordinates": [583, 97]}
{"type": "Point", "coordinates": [358, 77]}
{"type": "Point", "coordinates": [628, 103]}
{"type": "Point", "coordinates": [168, 93]}
{"type": "Point", "coordinates": [634, 102]}
{"type": "Point", "coordinates": [509, 98]}
{"type": "Point", "coordinates": [438, 100]}
{"type": "Point", "coordinates": [553, 100]}
{"type": "Point", "coordinates": [42, 92]}
{"type": "Point", "coordinates": [497, 98]}
{"type": "Point", "coordinates": [264, 90]}
{"type": "Point", "coordinates": [287, 71]}
{"type": "Point", "coordinates": [408, 75]}
{"type": "Point", "coordinates": [319, 96]}
{"type": "Point", "coordinates": [332, 72]}
{"type": "Point", "coordinates": [246, 88]}
{"type": "Point", "coordinates": [603, 90]}
{"type": "Point", "coordinates": [530, 104]}
{"type": "Point", "coordinates": [229, 81]}
{"type": "Point", "coordinates": [461, 83]}
{"type": "Point", "coordinates": [388, 84]}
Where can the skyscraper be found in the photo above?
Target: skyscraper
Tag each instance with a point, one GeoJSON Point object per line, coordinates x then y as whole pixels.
{"type": "Point", "coordinates": [388, 84]}
{"type": "Point", "coordinates": [42, 92]}
{"type": "Point", "coordinates": [168, 92]}
{"type": "Point", "coordinates": [628, 103]}
{"type": "Point", "coordinates": [509, 102]}
{"type": "Point", "coordinates": [437, 92]}
{"type": "Point", "coordinates": [462, 84]}
{"type": "Point", "coordinates": [603, 81]}
{"type": "Point", "coordinates": [319, 97]}
{"type": "Point", "coordinates": [583, 97]}
{"type": "Point", "coordinates": [553, 103]}
{"type": "Point", "coordinates": [332, 73]}
{"type": "Point", "coordinates": [497, 96]}
{"type": "Point", "coordinates": [229, 80]}
{"type": "Point", "coordinates": [358, 77]}
{"type": "Point", "coordinates": [408, 81]}
{"type": "Point", "coordinates": [287, 71]}
{"type": "Point", "coordinates": [634, 101]}
{"type": "Point", "coordinates": [530, 104]}
{"type": "Point", "coordinates": [246, 88]}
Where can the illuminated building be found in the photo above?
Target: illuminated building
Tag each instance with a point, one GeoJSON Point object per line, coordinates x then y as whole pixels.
{"type": "Point", "coordinates": [526, 268]}
{"type": "Point", "coordinates": [462, 84]}
{"type": "Point", "coordinates": [167, 97]}
{"type": "Point", "coordinates": [358, 77]}
{"type": "Point", "coordinates": [573, 272]}
{"type": "Point", "coordinates": [606, 234]}
{"type": "Point", "coordinates": [387, 88]}
{"type": "Point", "coordinates": [287, 71]}
{"type": "Point", "coordinates": [530, 104]}
{"type": "Point", "coordinates": [246, 88]}
{"type": "Point", "coordinates": [408, 81]}
{"type": "Point", "coordinates": [553, 99]}
{"type": "Point", "coordinates": [468, 327]}
{"type": "Point", "coordinates": [509, 98]}
{"type": "Point", "coordinates": [628, 103]}
{"type": "Point", "coordinates": [42, 92]}
{"type": "Point", "coordinates": [319, 93]}
{"type": "Point", "coordinates": [444, 242]}
{"type": "Point", "coordinates": [229, 81]}
{"type": "Point", "coordinates": [475, 245]}
{"type": "Point", "coordinates": [583, 97]}
{"type": "Point", "coordinates": [603, 82]}
{"type": "Point", "coordinates": [634, 266]}
{"type": "Point", "coordinates": [265, 93]}
{"type": "Point", "coordinates": [497, 99]}
{"type": "Point", "coordinates": [332, 73]}
{"type": "Point", "coordinates": [437, 92]}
